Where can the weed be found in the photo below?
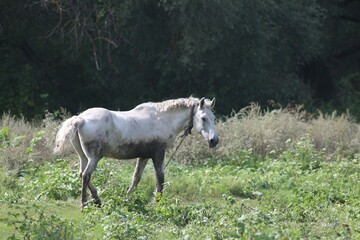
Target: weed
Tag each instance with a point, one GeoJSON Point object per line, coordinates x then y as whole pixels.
{"type": "Point", "coordinates": [38, 225]}
{"type": "Point", "coordinates": [4, 137]}
{"type": "Point", "coordinates": [55, 181]}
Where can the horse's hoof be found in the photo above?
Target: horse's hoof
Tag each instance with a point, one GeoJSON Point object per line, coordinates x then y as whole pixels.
{"type": "Point", "coordinates": [97, 202]}
{"type": "Point", "coordinates": [82, 206]}
{"type": "Point", "coordinates": [157, 196]}
{"type": "Point", "coordinates": [130, 190]}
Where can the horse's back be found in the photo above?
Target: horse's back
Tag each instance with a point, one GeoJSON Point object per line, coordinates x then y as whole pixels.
{"type": "Point", "coordinates": [114, 124]}
{"type": "Point", "coordinates": [95, 114]}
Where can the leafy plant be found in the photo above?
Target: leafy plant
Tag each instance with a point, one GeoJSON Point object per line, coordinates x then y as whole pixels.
{"type": "Point", "coordinates": [54, 181]}
{"type": "Point", "coordinates": [4, 136]}
{"type": "Point", "coordinates": [38, 225]}
{"type": "Point", "coordinates": [37, 136]}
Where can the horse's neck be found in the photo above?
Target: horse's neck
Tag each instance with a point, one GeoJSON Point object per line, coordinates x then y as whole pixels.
{"type": "Point", "coordinates": [179, 118]}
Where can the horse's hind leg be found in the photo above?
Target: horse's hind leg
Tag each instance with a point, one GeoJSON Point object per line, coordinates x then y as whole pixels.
{"type": "Point", "coordinates": [83, 159]}
{"type": "Point", "coordinates": [83, 163]}
{"type": "Point", "coordinates": [139, 169]}
{"type": "Point", "coordinates": [86, 177]}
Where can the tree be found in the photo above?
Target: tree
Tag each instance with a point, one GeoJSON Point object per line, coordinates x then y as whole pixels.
{"type": "Point", "coordinates": [77, 54]}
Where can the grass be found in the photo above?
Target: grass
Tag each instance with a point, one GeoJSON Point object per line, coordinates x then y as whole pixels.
{"type": "Point", "coordinates": [276, 175]}
{"type": "Point", "coordinates": [278, 197]}
{"type": "Point", "coordinates": [57, 208]}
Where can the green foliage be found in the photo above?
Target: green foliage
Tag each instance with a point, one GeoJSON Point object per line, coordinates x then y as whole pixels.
{"type": "Point", "coordinates": [304, 154]}
{"type": "Point", "coordinates": [38, 225]}
{"type": "Point", "coordinates": [54, 181]}
{"type": "Point", "coordinates": [4, 136]}
{"type": "Point", "coordinates": [348, 96]}
{"type": "Point", "coordinates": [69, 53]}
{"type": "Point", "coordinates": [36, 138]}
{"type": "Point", "coordinates": [279, 198]}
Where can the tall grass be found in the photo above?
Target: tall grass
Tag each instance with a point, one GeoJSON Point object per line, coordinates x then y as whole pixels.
{"type": "Point", "coordinates": [264, 132]}
{"type": "Point", "coordinates": [22, 141]}
{"type": "Point", "coordinates": [252, 129]}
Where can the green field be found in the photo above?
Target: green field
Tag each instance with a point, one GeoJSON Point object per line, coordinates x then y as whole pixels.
{"type": "Point", "coordinates": [295, 195]}
{"type": "Point", "coordinates": [274, 175]}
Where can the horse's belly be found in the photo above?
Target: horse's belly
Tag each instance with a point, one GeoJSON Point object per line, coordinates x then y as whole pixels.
{"type": "Point", "coordinates": [136, 149]}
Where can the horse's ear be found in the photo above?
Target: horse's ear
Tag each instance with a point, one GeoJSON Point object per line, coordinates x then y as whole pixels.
{"type": "Point", "coordinates": [213, 101]}
{"type": "Point", "coordinates": [202, 102]}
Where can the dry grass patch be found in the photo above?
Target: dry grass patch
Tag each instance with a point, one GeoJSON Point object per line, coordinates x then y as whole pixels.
{"type": "Point", "coordinates": [265, 131]}
{"type": "Point", "coordinates": [15, 138]}
{"type": "Point", "coordinates": [335, 134]}
{"type": "Point", "coordinates": [22, 141]}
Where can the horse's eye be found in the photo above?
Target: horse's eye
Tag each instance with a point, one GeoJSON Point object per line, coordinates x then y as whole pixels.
{"type": "Point", "coordinates": [203, 119]}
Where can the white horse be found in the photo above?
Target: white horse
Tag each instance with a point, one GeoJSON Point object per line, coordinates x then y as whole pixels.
{"type": "Point", "coordinates": [143, 132]}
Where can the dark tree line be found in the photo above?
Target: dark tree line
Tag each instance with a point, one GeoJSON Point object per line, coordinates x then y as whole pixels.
{"type": "Point", "coordinates": [78, 54]}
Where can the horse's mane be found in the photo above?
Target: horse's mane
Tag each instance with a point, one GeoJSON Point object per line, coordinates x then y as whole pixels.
{"type": "Point", "coordinates": [171, 104]}
{"type": "Point", "coordinates": [176, 104]}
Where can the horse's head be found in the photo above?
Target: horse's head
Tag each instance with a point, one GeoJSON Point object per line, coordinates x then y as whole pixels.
{"type": "Point", "coordinates": [204, 121]}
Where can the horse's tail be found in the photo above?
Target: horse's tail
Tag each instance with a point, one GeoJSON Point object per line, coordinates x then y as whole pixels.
{"type": "Point", "coordinates": [67, 132]}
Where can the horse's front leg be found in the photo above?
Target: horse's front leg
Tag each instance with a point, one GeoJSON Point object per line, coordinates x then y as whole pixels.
{"type": "Point", "coordinates": [158, 161]}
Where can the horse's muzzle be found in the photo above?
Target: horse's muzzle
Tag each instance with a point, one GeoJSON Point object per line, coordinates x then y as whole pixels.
{"type": "Point", "coordinates": [213, 142]}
